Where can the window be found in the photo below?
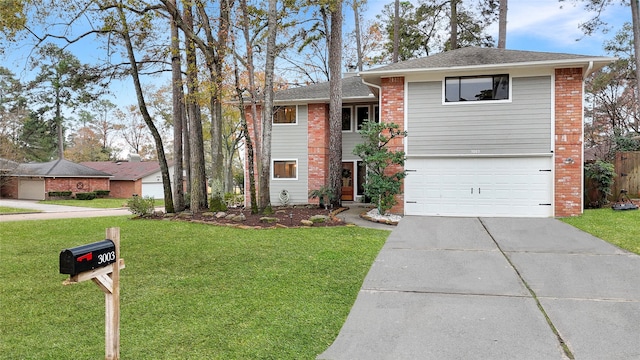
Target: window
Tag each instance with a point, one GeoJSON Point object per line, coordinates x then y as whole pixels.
{"type": "Point", "coordinates": [285, 169]}
{"type": "Point", "coordinates": [362, 114]}
{"type": "Point", "coordinates": [346, 119]}
{"type": "Point", "coordinates": [284, 115]}
{"type": "Point", "coordinates": [376, 113]}
{"type": "Point", "coordinates": [477, 88]}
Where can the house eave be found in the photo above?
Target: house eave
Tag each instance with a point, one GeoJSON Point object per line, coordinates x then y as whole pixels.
{"type": "Point", "coordinates": [598, 63]}
{"type": "Point", "coordinates": [353, 99]}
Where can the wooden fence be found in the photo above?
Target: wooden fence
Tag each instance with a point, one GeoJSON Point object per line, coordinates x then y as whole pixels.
{"type": "Point", "coordinates": [627, 166]}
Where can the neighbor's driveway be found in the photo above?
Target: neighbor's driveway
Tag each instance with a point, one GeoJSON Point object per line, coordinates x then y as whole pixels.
{"type": "Point", "coordinates": [480, 288]}
{"type": "Point", "coordinates": [48, 211]}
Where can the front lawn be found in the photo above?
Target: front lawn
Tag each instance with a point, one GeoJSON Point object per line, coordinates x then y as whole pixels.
{"type": "Point", "coordinates": [189, 291]}
{"type": "Point", "coordinates": [99, 203]}
{"type": "Point", "coordinates": [621, 228]}
{"type": "Point", "coordinates": [12, 210]}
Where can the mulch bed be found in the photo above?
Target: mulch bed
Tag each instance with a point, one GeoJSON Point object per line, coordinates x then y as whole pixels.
{"type": "Point", "coordinates": [283, 217]}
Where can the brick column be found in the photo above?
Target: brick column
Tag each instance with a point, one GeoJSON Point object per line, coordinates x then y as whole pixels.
{"type": "Point", "coordinates": [392, 111]}
{"type": "Point", "coordinates": [318, 146]}
{"type": "Point", "coordinates": [568, 142]}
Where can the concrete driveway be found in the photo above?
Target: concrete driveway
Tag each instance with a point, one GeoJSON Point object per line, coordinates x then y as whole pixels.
{"type": "Point", "coordinates": [494, 288]}
{"type": "Point", "coordinates": [48, 211]}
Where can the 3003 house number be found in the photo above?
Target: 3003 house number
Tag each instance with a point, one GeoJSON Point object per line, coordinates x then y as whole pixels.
{"type": "Point", "coordinates": [106, 257]}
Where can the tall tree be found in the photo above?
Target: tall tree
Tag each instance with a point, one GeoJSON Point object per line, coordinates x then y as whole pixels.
{"type": "Point", "coordinates": [453, 21]}
{"type": "Point", "coordinates": [61, 85]}
{"type": "Point", "coordinates": [597, 23]}
{"type": "Point", "coordinates": [125, 34]}
{"type": "Point", "coordinates": [335, 99]}
{"type": "Point", "coordinates": [178, 114]}
{"type": "Point", "coordinates": [396, 31]}
{"type": "Point", "coordinates": [356, 6]}
{"type": "Point", "coordinates": [264, 169]}
{"type": "Point", "coordinates": [13, 114]}
{"type": "Point", "coordinates": [502, 24]}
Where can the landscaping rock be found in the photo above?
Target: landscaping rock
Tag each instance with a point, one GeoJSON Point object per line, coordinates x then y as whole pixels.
{"type": "Point", "coordinates": [266, 219]}
{"type": "Point", "coordinates": [208, 214]}
{"type": "Point", "coordinates": [239, 218]}
{"type": "Point", "coordinates": [221, 214]}
{"type": "Point", "coordinates": [319, 218]}
{"type": "Point", "coordinates": [306, 222]}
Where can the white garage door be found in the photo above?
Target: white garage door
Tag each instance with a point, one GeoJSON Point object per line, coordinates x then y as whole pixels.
{"type": "Point", "coordinates": [31, 189]}
{"type": "Point", "coordinates": [513, 187]}
{"type": "Point", "coordinates": [154, 190]}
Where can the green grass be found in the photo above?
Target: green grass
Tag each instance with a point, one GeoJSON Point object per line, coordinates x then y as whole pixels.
{"type": "Point", "coordinates": [101, 203]}
{"type": "Point", "coordinates": [621, 228]}
{"type": "Point", "coordinates": [12, 210]}
{"type": "Point", "coordinates": [189, 291]}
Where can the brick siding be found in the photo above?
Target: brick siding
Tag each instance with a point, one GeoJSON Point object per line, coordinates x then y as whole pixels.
{"type": "Point", "coordinates": [568, 142]}
{"type": "Point", "coordinates": [392, 110]}
{"type": "Point", "coordinates": [318, 147]}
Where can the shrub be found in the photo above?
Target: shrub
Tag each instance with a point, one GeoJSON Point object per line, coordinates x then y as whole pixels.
{"type": "Point", "coordinates": [601, 174]}
{"type": "Point", "coordinates": [59, 193]}
{"type": "Point", "coordinates": [86, 196]}
{"type": "Point", "coordinates": [325, 195]}
{"type": "Point", "coordinates": [141, 206]}
{"type": "Point", "coordinates": [382, 185]}
{"type": "Point", "coordinates": [102, 192]}
{"type": "Point", "coordinates": [216, 204]}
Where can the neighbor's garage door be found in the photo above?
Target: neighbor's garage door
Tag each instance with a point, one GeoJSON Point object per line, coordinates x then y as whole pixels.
{"type": "Point", "coordinates": [31, 189]}
{"type": "Point", "coordinates": [479, 187]}
{"type": "Point", "coordinates": [154, 190]}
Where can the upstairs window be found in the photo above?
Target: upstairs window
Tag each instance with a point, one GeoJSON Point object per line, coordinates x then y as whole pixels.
{"type": "Point", "coordinates": [477, 88]}
{"type": "Point", "coordinates": [362, 114]}
{"type": "Point", "coordinates": [284, 115]}
{"type": "Point", "coordinates": [346, 119]}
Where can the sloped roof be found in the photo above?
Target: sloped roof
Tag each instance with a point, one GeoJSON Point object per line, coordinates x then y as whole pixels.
{"type": "Point", "coordinates": [58, 168]}
{"type": "Point", "coordinates": [7, 165]}
{"type": "Point", "coordinates": [352, 90]}
{"type": "Point", "coordinates": [123, 170]}
{"type": "Point", "coordinates": [477, 57]}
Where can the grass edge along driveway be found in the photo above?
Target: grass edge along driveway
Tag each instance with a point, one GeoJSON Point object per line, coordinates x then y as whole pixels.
{"type": "Point", "coordinates": [620, 228]}
{"type": "Point", "coordinates": [189, 291]}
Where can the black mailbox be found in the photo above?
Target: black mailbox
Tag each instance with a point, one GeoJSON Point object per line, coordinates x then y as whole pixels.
{"type": "Point", "coordinates": [87, 257]}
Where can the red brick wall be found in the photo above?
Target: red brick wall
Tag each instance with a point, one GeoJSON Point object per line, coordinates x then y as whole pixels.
{"type": "Point", "coordinates": [318, 146]}
{"type": "Point", "coordinates": [392, 110]}
{"type": "Point", "coordinates": [568, 142]}
{"type": "Point", "coordinates": [9, 188]}
{"type": "Point", "coordinates": [75, 185]}
{"type": "Point", "coordinates": [122, 189]}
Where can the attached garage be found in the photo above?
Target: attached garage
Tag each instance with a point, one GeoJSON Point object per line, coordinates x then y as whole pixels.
{"type": "Point", "coordinates": [480, 186]}
{"type": "Point", "coordinates": [31, 189]}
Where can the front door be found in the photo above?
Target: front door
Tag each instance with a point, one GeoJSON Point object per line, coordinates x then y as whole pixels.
{"type": "Point", "coordinates": [347, 181]}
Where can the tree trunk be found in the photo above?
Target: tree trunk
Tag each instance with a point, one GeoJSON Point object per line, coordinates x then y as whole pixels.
{"type": "Point", "coordinates": [198, 178]}
{"type": "Point", "coordinates": [264, 170]}
{"type": "Point", "coordinates": [254, 108]}
{"type": "Point", "coordinates": [454, 25]}
{"type": "Point", "coordinates": [178, 117]}
{"type": "Point", "coordinates": [164, 169]}
{"type": "Point", "coordinates": [502, 25]}
{"type": "Point", "coordinates": [356, 13]}
{"type": "Point", "coordinates": [396, 30]}
{"type": "Point", "coordinates": [59, 128]}
{"type": "Point", "coordinates": [635, 22]}
{"type": "Point", "coordinates": [335, 102]}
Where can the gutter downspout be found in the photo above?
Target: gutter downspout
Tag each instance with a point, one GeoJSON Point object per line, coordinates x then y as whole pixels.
{"type": "Point", "coordinates": [589, 70]}
{"type": "Point", "coordinates": [379, 95]}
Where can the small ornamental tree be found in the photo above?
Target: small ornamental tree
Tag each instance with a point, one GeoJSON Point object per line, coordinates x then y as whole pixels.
{"type": "Point", "coordinates": [382, 185]}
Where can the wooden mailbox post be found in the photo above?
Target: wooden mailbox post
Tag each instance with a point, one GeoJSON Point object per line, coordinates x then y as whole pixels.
{"type": "Point", "coordinates": [100, 262]}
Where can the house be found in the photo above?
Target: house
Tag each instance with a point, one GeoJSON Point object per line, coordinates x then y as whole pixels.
{"type": "Point", "coordinates": [491, 132]}
{"type": "Point", "coordinates": [131, 177]}
{"type": "Point", "coordinates": [33, 181]}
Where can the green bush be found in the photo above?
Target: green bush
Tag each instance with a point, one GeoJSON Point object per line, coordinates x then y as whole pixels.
{"type": "Point", "coordinates": [601, 175]}
{"type": "Point", "coordinates": [216, 204]}
{"type": "Point", "coordinates": [141, 206]}
{"type": "Point", "coordinates": [59, 193]}
{"type": "Point", "coordinates": [102, 192]}
{"type": "Point", "coordinates": [86, 196]}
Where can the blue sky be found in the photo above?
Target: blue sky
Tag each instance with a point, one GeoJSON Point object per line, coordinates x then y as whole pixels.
{"type": "Point", "coordinates": [542, 25]}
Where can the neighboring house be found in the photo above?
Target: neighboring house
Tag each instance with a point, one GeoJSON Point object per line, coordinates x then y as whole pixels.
{"type": "Point", "coordinates": [33, 181]}
{"type": "Point", "coordinates": [491, 132]}
{"type": "Point", "coordinates": [142, 178]}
